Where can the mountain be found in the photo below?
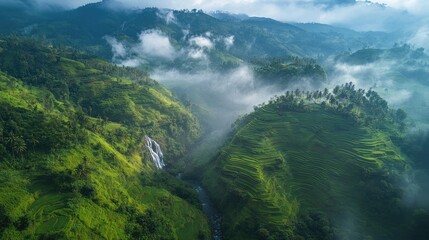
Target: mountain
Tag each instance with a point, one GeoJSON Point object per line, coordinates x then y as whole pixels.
{"type": "Point", "coordinates": [86, 26]}
{"type": "Point", "coordinates": [73, 150]}
{"type": "Point", "coordinates": [313, 165]}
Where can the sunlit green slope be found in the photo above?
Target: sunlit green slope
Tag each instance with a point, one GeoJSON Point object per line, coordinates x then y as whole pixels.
{"type": "Point", "coordinates": [73, 160]}
{"type": "Point", "coordinates": [302, 167]}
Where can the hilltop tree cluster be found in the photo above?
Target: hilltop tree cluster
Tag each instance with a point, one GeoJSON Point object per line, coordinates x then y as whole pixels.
{"type": "Point", "coordinates": [364, 107]}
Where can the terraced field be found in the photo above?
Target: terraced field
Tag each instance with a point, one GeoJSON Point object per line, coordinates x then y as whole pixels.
{"type": "Point", "coordinates": [282, 164]}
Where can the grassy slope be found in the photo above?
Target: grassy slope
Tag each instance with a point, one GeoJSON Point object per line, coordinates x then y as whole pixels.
{"type": "Point", "coordinates": [282, 164]}
{"type": "Point", "coordinates": [46, 186]}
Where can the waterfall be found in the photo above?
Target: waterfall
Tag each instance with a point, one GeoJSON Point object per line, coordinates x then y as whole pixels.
{"type": "Point", "coordinates": [155, 152]}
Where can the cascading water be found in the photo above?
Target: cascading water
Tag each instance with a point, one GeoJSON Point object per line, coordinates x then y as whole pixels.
{"type": "Point", "coordinates": [155, 152]}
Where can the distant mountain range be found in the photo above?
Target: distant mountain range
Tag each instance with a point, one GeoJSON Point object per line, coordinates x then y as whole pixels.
{"type": "Point", "coordinates": [86, 26]}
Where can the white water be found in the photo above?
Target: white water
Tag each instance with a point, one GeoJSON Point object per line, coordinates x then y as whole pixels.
{"type": "Point", "coordinates": [155, 152]}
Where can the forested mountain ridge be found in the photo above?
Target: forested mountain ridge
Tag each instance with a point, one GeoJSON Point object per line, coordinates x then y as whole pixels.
{"type": "Point", "coordinates": [74, 161]}
{"type": "Point", "coordinates": [86, 26]}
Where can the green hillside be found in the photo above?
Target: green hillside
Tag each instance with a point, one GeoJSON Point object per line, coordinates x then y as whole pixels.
{"type": "Point", "coordinates": [312, 166]}
{"type": "Point", "coordinates": [73, 159]}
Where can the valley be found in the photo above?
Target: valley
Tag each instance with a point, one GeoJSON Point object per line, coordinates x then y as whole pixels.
{"type": "Point", "coordinates": [124, 121]}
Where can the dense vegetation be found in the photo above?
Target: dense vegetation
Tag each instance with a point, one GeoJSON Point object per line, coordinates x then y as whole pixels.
{"type": "Point", "coordinates": [72, 153]}
{"type": "Point", "coordinates": [313, 165]}
{"type": "Point", "coordinates": [285, 72]}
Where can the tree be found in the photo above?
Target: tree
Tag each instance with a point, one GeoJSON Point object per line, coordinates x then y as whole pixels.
{"type": "Point", "coordinates": [10, 139]}
{"type": "Point", "coordinates": [336, 89]}
{"type": "Point", "coordinates": [325, 92]}
{"type": "Point", "coordinates": [83, 170]}
{"type": "Point", "coordinates": [19, 146]}
{"type": "Point", "coordinates": [33, 141]}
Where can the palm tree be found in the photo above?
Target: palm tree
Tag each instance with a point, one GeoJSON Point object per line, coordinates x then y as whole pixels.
{"type": "Point", "coordinates": [19, 147]}
{"type": "Point", "coordinates": [33, 141]}
{"type": "Point", "coordinates": [11, 138]}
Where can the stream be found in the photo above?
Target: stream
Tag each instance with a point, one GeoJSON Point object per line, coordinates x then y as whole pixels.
{"type": "Point", "coordinates": [210, 211]}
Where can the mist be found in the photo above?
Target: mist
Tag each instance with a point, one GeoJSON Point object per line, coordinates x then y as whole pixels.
{"type": "Point", "coordinates": [220, 95]}
{"type": "Point", "coordinates": [224, 96]}
{"type": "Point", "coordinates": [387, 77]}
{"type": "Point", "coordinates": [234, 92]}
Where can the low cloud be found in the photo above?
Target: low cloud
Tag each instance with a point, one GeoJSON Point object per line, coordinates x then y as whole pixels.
{"type": "Point", "coordinates": [167, 16]}
{"type": "Point", "coordinates": [375, 76]}
{"type": "Point", "coordinates": [229, 42]}
{"type": "Point", "coordinates": [388, 79]}
{"type": "Point", "coordinates": [198, 47]}
{"type": "Point", "coordinates": [197, 54]}
{"type": "Point", "coordinates": [421, 37]}
{"type": "Point", "coordinates": [155, 43]}
{"type": "Point", "coordinates": [416, 7]}
{"type": "Point", "coordinates": [201, 42]}
{"type": "Point", "coordinates": [118, 48]}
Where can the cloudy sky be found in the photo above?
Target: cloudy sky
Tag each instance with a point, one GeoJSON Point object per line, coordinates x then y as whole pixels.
{"type": "Point", "coordinates": [387, 15]}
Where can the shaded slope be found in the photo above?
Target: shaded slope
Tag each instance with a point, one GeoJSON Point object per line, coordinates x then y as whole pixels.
{"type": "Point", "coordinates": [310, 172]}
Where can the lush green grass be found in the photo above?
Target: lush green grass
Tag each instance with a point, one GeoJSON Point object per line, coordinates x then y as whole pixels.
{"type": "Point", "coordinates": [281, 164]}
{"type": "Point", "coordinates": [73, 160]}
